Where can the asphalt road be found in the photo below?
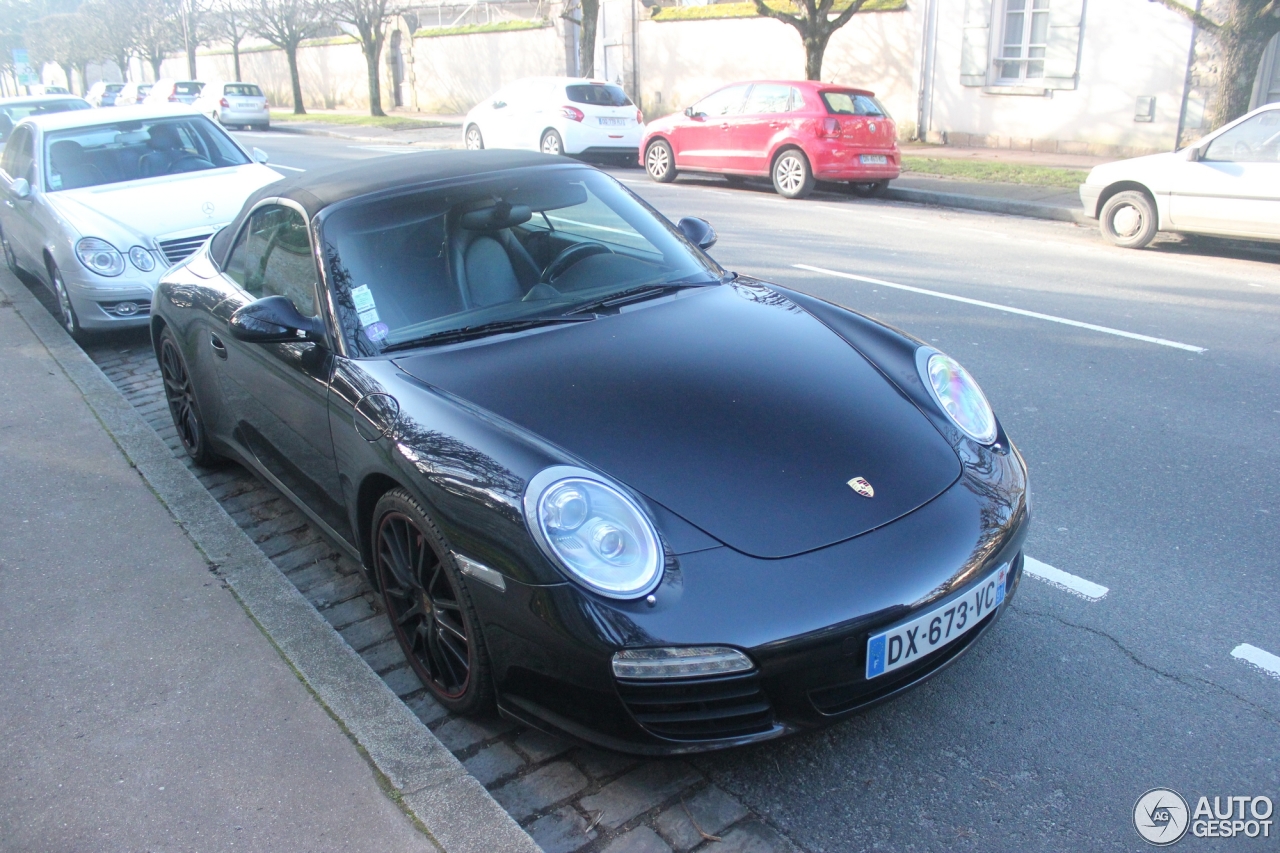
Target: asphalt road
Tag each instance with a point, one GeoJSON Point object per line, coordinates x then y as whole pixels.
{"type": "Point", "coordinates": [1154, 474]}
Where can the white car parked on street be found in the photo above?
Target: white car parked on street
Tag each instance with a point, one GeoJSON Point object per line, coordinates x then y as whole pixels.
{"type": "Point", "coordinates": [98, 204]}
{"type": "Point", "coordinates": [558, 115]}
{"type": "Point", "coordinates": [1227, 184]}
{"type": "Point", "coordinates": [235, 105]}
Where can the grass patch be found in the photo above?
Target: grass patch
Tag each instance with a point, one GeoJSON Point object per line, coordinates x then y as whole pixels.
{"type": "Point", "coordinates": [389, 122]}
{"type": "Point", "coordinates": [1008, 173]}
{"type": "Point", "coordinates": [714, 11]}
{"type": "Point", "coordinates": [468, 29]}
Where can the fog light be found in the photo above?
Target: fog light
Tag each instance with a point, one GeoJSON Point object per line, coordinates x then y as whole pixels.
{"type": "Point", "coordinates": [688, 662]}
{"type": "Point", "coordinates": [126, 309]}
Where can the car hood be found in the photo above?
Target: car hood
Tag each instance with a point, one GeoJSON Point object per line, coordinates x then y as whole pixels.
{"type": "Point", "coordinates": [728, 405]}
{"type": "Point", "coordinates": [155, 207]}
{"type": "Point", "coordinates": [1157, 166]}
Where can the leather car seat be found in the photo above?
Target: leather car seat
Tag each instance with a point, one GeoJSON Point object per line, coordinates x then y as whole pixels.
{"type": "Point", "coordinates": [488, 264]}
{"type": "Point", "coordinates": [166, 149]}
{"type": "Point", "coordinates": [67, 160]}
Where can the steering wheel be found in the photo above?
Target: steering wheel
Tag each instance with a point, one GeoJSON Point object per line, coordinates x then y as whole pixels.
{"type": "Point", "coordinates": [192, 163]}
{"type": "Point", "coordinates": [570, 256]}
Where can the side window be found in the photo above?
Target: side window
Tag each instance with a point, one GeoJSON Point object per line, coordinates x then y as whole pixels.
{"type": "Point", "coordinates": [797, 100]}
{"type": "Point", "coordinates": [767, 98]}
{"type": "Point", "coordinates": [722, 103]}
{"type": "Point", "coordinates": [18, 161]}
{"type": "Point", "coordinates": [1254, 141]}
{"type": "Point", "coordinates": [273, 258]}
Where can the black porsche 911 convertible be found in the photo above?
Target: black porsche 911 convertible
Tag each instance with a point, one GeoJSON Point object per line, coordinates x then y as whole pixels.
{"type": "Point", "coordinates": [598, 480]}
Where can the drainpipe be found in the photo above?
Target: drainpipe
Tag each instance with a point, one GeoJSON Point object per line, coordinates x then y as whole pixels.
{"type": "Point", "coordinates": [928, 51]}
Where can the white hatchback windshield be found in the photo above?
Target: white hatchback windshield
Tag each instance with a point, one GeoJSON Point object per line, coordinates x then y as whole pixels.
{"type": "Point", "coordinates": [525, 247]}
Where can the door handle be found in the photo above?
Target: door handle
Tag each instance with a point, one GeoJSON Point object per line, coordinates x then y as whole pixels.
{"type": "Point", "coordinates": [219, 348]}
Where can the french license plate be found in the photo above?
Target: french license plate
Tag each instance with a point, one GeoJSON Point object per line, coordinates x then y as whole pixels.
{"type": "Point", "coordinates": [613, 122]}
{"type": "Point", "coordinates": [873, 159]}
{"type": "Point", "coordinates": [908, 642]}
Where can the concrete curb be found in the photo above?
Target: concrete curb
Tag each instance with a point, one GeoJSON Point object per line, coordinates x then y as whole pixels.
{"type": "Point", "coordinates": [314, 131]}
{"type": "Point", "coordinates": [987, 204]}
{"type": "Point", "coordinates": [456, 810]}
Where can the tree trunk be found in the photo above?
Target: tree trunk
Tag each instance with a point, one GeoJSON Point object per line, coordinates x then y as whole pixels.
{"type": "Point", "coordinates": [1241, 53]}
{"type": "Point", "coordinates": [815, 48]}
{"type": "Point", "coordinates": [71, 80]}
{"type": "Point", "coordinates": [292, 53]}
{"type": "Point", "coordinates": [84, 79]}
{"type": "Point", "coordinates": [123, 61]}
{"type": "Point", "coordinates": [235, 57]}
{"type": "Point", "coordinates": [587, 38]}
{"type": "Point", "coordinates": [375, 83]}
{"type": "Point", "coordinates": [155, 67]}
{"type": "Point", "coordinates": [191, 60]}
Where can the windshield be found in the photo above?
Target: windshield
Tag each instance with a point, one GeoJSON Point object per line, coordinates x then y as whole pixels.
{"type": "Point", "coordinates": [128, 150]}
{"type": "Point", "coordinates": [597, 94]}
{"type": "Point", "coordinates": [851, 104]}
{"type": "Point", "coordinates": [526, 245]}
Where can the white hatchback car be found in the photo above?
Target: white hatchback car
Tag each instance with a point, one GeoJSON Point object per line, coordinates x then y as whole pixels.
{"type": "Point", "coordinates": [558, 115]}
{"type": "Point", "coordinates": [1227, 184]}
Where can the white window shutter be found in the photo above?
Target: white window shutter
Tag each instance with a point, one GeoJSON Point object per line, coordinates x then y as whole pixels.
{"type": "Point", "coordinates": [1066, 17]}
{"type": "Point", "coordinates": [975, 49]}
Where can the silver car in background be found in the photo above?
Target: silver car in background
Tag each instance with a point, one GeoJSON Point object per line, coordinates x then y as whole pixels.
{"type": "Point", "coordinates": [98, 205]}
{"type": "Point", "coordinates": [235, 105]}
{"type": "Point", "coordinates": [169, 91]}
{"type": "Point", "coordinates": [103, 94]}
{"type": "Point", "coordinates": [14, 110]}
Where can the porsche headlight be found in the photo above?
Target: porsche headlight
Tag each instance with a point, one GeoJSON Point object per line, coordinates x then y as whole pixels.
{"type": "Point", "coordinates": [142, 259]}
{"type": "Point", "coordinates": [100, 256]}
{"type": "Point", "coordinates": [958, 394]}
{"type": "Point", "coordinates": [594, 532]}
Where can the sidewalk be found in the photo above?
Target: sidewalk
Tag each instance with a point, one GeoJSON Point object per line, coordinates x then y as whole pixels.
{"type": "Point", "coordinates": [143, 709]}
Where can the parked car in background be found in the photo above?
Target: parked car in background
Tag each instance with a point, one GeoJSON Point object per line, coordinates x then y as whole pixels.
{"type": "Point", "coordinates": [794, 132]}
{"type": "Point", "coordinates": [133, 94]}
{"type": "Point", "coordinates": [558, 115]}
{"type": "Point", "coordinates": [14, 110]}
{"type": "Point", "coordinates": [103, 94]}
{"type": "Point", "coordinates": [1227, 184]}
{"type": "Point", "coordinates": [235, 105]}
{"type": "Point", "coordinates": [97, 204]}
{"type": "Point", "coordinates": [166, 91]}
{"type": "Point", "coordinates": [50, 90]}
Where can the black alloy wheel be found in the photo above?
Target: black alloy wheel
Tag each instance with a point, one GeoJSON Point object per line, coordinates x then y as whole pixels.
{"type": "Point", "coordinates": [180, 395]}
{"type": "Point", "coordinates": [868, 189]}
{"type": "Point", "coordinates": [430, 611]}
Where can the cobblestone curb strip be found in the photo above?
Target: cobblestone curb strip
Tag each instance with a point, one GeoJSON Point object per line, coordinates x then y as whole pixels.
{"type": "Point", "coordinates": [451, 804]}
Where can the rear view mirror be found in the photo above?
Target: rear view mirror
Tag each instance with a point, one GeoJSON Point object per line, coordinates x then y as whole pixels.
{"type": "Point", "coordinates": [274, 320]}
{"type": "Point", "coordinates": [698, 232]}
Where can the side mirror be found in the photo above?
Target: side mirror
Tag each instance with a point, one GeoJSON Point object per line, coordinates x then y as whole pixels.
{"type": "Point", "coordinates": [274, 320]}
{"type": "Point", "coordinates": [497, 105]}
{"type": "Point", "coordinates": [698, 232]}
{"type": "Point", "coordinates": [688, 111]}
{"type": "Point", "coordinates": [260, 156]}
{"type": "Point", "coordinates": [1192, 154]}
{"type": "Point", "coordinates": [20, 189]}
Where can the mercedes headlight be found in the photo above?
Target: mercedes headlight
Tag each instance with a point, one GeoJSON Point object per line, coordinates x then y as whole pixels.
{"type": "Point", "coordinates": [100, 256]}
{"type": "Point", "coordinates": [142, 259]}
{"type": "Point", "coordinates": [958, 394]}
{"type": "Point", "coordinates": [594, 531]}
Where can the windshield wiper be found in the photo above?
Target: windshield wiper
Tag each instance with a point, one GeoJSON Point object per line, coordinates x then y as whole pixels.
{"type": "Point", "coordinates": [633, 294]}
{"type": "Point", "coordinates": [480, 330]}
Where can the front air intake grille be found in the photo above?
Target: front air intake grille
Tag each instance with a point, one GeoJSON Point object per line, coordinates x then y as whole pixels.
{"type": "Point", "coordinates": [181, 248]}
{"type": "Point", "coordinates": [699, 708]}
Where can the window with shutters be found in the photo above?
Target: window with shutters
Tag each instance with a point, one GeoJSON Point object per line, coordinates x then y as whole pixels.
{"type": "Point", "coordinates": [1026, 38]}
{"type": "Point", "coordinates": [1021, 46]}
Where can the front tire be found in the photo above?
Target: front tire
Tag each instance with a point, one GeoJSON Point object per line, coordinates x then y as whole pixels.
{"type": "Point", "coordinates": [1128, 220]}
{"type": "Point", "coordinates": [474, 139]}
{"type": "Point", "coordinates": [792, 177]}
{"type": "Point", "coordinates": [660, 161]}
{"type": "Point", "coordinates": [551, 143]}
{"type": "Point", "coordinates": [431, 612]}
{"type": "Point", "coordinates": [66, 311]}
{"type": "Point", "coordinates": [180, 394]}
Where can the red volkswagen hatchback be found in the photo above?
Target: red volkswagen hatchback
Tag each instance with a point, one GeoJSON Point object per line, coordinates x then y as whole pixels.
{"type": "Point", "coordinates": [795, 132]}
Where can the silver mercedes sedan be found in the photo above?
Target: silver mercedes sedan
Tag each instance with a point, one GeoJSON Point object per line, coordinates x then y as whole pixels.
{"type": "Point", "coordinates": [97, 205]}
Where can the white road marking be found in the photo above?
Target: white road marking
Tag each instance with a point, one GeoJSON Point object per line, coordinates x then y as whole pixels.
{"type": "Point", "coordinates": [1063, 580]}
{"type": "Point", "coordinates": [290, 168]}
{"type": "Point", "coordinates": [904, 219]}
{"type": "Point", "coordinates": [1008, 309]}
{"type": "Point", "coordinates": [1263, 660]}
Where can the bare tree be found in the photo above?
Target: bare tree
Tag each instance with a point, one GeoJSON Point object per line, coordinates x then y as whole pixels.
{"type": "Point", "coordinates": [812, 19]}
{"type": "Point", "coordinates": [115, 33]}
{"type": "Point", "coordinates": [67, 39]}
{"type": "Point", "coordinates": [369, 18]}
{"type": "Point", "coordinates": [1241, 30]}
{"type": "Point", "coordinates": [587, 20]}
{"type": "Point", "coordinates": [156, 34]}
{"type": "Point", "coordinates": [228, 23]}
{"type": "Point", "coordinates": [285, 24]}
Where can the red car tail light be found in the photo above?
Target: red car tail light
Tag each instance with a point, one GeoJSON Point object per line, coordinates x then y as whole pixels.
{"type": "Point", "coordinates": [639, 117]}
{"type": "Point", "coordinates": [830, 127]}
{"type": "Point", "coordinates": [571, 113]}
{"type": "Point", "coordinates": [173, 97]}
{"type": "Point", "coordinates": [223, 103]}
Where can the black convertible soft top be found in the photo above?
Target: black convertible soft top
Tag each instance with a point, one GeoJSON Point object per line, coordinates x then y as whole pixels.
{"type": "Point", "coordinates": [317, 189]}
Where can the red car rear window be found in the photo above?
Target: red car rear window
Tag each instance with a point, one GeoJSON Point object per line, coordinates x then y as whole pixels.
{"type": "Point", "coordinates": [853, 104]}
